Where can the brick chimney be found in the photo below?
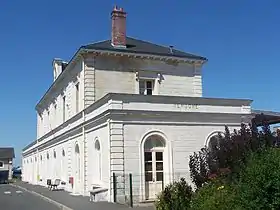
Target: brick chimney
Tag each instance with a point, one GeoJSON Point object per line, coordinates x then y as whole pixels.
{"type": "Point", "coordinates": [118, 17]}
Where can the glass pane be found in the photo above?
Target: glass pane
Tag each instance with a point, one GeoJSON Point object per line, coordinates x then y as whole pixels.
{"type": "Point", "coordinates": [159, 176]}
{"type": "Point", "coordinates": [148, 156]}
{"type": "Point", "coordinates": [148, 166]}
{"type": "Point", "coordinates": [149, 91]}
{"type": "Point", "coordinates": [142, 91]}
{"type": "Point", "coordinates": [214, 142]}
{"type": "Point", "coordinates": [142, 87]}
{"type": "Point", "coordinates": [141, 84]}
{"type": "Point", "coordinates": [97, 145]}
{"type": "Point", "coordinates": [153, 141]}
{"type": "Point", "coordinates": [148, 144]}
{"type": "Point", "coordinates": [149, 85]}
{"type": "Point", "coordinates": [1, 164]}
{"type": "Point", "coordinates": [159, 156]}
{"type": "Point", "coordinates": [159, 166]}
{"type": "Point", "coordinates": [158, 143]}
{"type": "Point", "coordinates": [148, 176]}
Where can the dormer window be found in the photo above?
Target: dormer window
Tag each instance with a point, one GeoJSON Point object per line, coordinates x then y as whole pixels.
{"type": "Point", "coordinates": [146, 87]}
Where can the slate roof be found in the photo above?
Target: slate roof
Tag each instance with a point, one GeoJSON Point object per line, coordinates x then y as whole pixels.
{"type": "Point", "coordinates": [142, 47]}
{"type": "Point", "coordinates": [7, 153]}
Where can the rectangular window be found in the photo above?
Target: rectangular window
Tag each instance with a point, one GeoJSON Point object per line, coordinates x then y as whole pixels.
{"type": "Point", "coordinates": [54, 114]}
{"type": "Point", "coordinates": [41, 118]}
{"type": "Point", "coordinates": [146, 87]}
{"type": "Point", "coordinates": [77, 97]}
{"type": "Point", "coordinates": [1, 164]}
{"type": "Point", "coordinates": [63, 108]}
{"type": "Point", "coordinates": [54, 111]}
{"type": "Point", "coordinates": [41, 124]}
{"type": "Point", "coordinates": [49, 127]}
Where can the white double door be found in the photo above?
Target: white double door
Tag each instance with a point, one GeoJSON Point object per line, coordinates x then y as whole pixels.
{"type": "Point", "coordinates": [154, 173]}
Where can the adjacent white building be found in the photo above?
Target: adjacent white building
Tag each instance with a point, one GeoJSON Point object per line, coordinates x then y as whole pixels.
{"type": "Point", "coordinates": [125, 106]}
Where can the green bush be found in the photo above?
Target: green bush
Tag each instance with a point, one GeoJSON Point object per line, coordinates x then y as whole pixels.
{"type": "Point", "coordinates": [176, 196]}
{"type": "Point", "coordinates": [214, 196]}
{"type": "Point", "coordinates": [259, 182]}
{"type": "Point", "coordinates": [257, 186]}
{"type": "Point", "coordinates": [239, 171]}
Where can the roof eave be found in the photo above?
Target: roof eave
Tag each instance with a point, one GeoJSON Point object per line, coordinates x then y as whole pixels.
{"type": "Point", "coordinates": [76, 55]}
{"type": "Point", "coordinates": [201, 60]}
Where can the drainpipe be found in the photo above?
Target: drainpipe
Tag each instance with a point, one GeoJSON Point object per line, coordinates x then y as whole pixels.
{"type": "Point", "coordinates": [37, 166]}
{"type": "Point", "coordinates": [109, 157]}
{"type": "Point", "coordinates": [84, 158]}
{"type": "Point", "coordinates": [83, 129]}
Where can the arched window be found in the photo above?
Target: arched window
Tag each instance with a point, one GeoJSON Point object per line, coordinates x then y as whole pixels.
{"type": "Point", "coordinates": [77, 149]}
{"type": "Point", "coordinates": [48, 156]}
{"type": "Point", "coordinates": [63, 153]}
{"type": "Point", "coordinates": [77, 162]}
{"type": "Point", "coordinates": [97, 145]}
{"type": "Point", "coordinates": [214, 140]}
{"type": "Point", "coordinates": [41, 158]}
{"type": "Point", "coordinates": [35, 159]}
{"type": "Point", "coordinates": [54, 154]}
{"type": "Point", "coordinates": [153, 142]}
{"type": "Point", "coordinates": [154, 163]}
{"type": "Point", "coordinates": [97, 161]}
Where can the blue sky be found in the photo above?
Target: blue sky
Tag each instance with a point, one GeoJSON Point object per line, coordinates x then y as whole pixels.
{"type": "Point", "coordinates": [240, 39]}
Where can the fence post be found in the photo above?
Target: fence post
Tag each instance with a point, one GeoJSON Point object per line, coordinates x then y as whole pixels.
{"type": "Point", "coordinates": [114, 187]}
{"type": "Point", "coordinates": [130, 190]}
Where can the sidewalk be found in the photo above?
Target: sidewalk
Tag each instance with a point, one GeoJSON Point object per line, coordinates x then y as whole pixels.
{"type": "Point", "coordinates": [75, 202]}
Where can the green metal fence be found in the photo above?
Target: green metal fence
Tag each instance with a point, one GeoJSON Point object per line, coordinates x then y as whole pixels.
{"type": "Point", "coordinates": [130, 189]}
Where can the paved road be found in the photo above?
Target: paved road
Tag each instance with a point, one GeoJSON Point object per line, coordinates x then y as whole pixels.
{"type": "Point", "coordinates": [12, 198]}
{"type": "Point", "coordinates": [75, 202]}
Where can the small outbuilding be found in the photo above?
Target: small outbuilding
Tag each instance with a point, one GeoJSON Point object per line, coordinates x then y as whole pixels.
{"type": "Point", "coordinates": [7, 155]}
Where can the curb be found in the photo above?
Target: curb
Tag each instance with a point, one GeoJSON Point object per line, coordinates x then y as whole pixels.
{"type": "Point", "coordinates": [61, 206]}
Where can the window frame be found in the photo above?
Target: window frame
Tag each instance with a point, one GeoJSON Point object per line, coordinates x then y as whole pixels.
{"type": "Point", "coordinates": [63, 108]}
{"type": "Point", "coordinates": [54, 110]}
{"type": "Point", "coordinates": [77, 89]}
{"type": "Point", "coordinates": [145, 86]}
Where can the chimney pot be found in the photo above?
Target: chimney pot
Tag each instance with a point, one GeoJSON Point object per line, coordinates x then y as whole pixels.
{"type": "Point", "coordinates": [118, 32]}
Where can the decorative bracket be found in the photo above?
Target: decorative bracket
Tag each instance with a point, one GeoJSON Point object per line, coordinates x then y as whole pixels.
{"type": "Point", "coordinates": [137, 75]}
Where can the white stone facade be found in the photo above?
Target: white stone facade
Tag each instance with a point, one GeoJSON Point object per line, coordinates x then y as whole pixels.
{"type": "Point", "coordinates": [109, 136]}
{"type": "Point", "coordinates": [119, 112]}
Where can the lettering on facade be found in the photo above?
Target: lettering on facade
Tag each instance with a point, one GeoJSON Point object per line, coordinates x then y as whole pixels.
{"type": "Point", "coordinates": [187, 106]}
